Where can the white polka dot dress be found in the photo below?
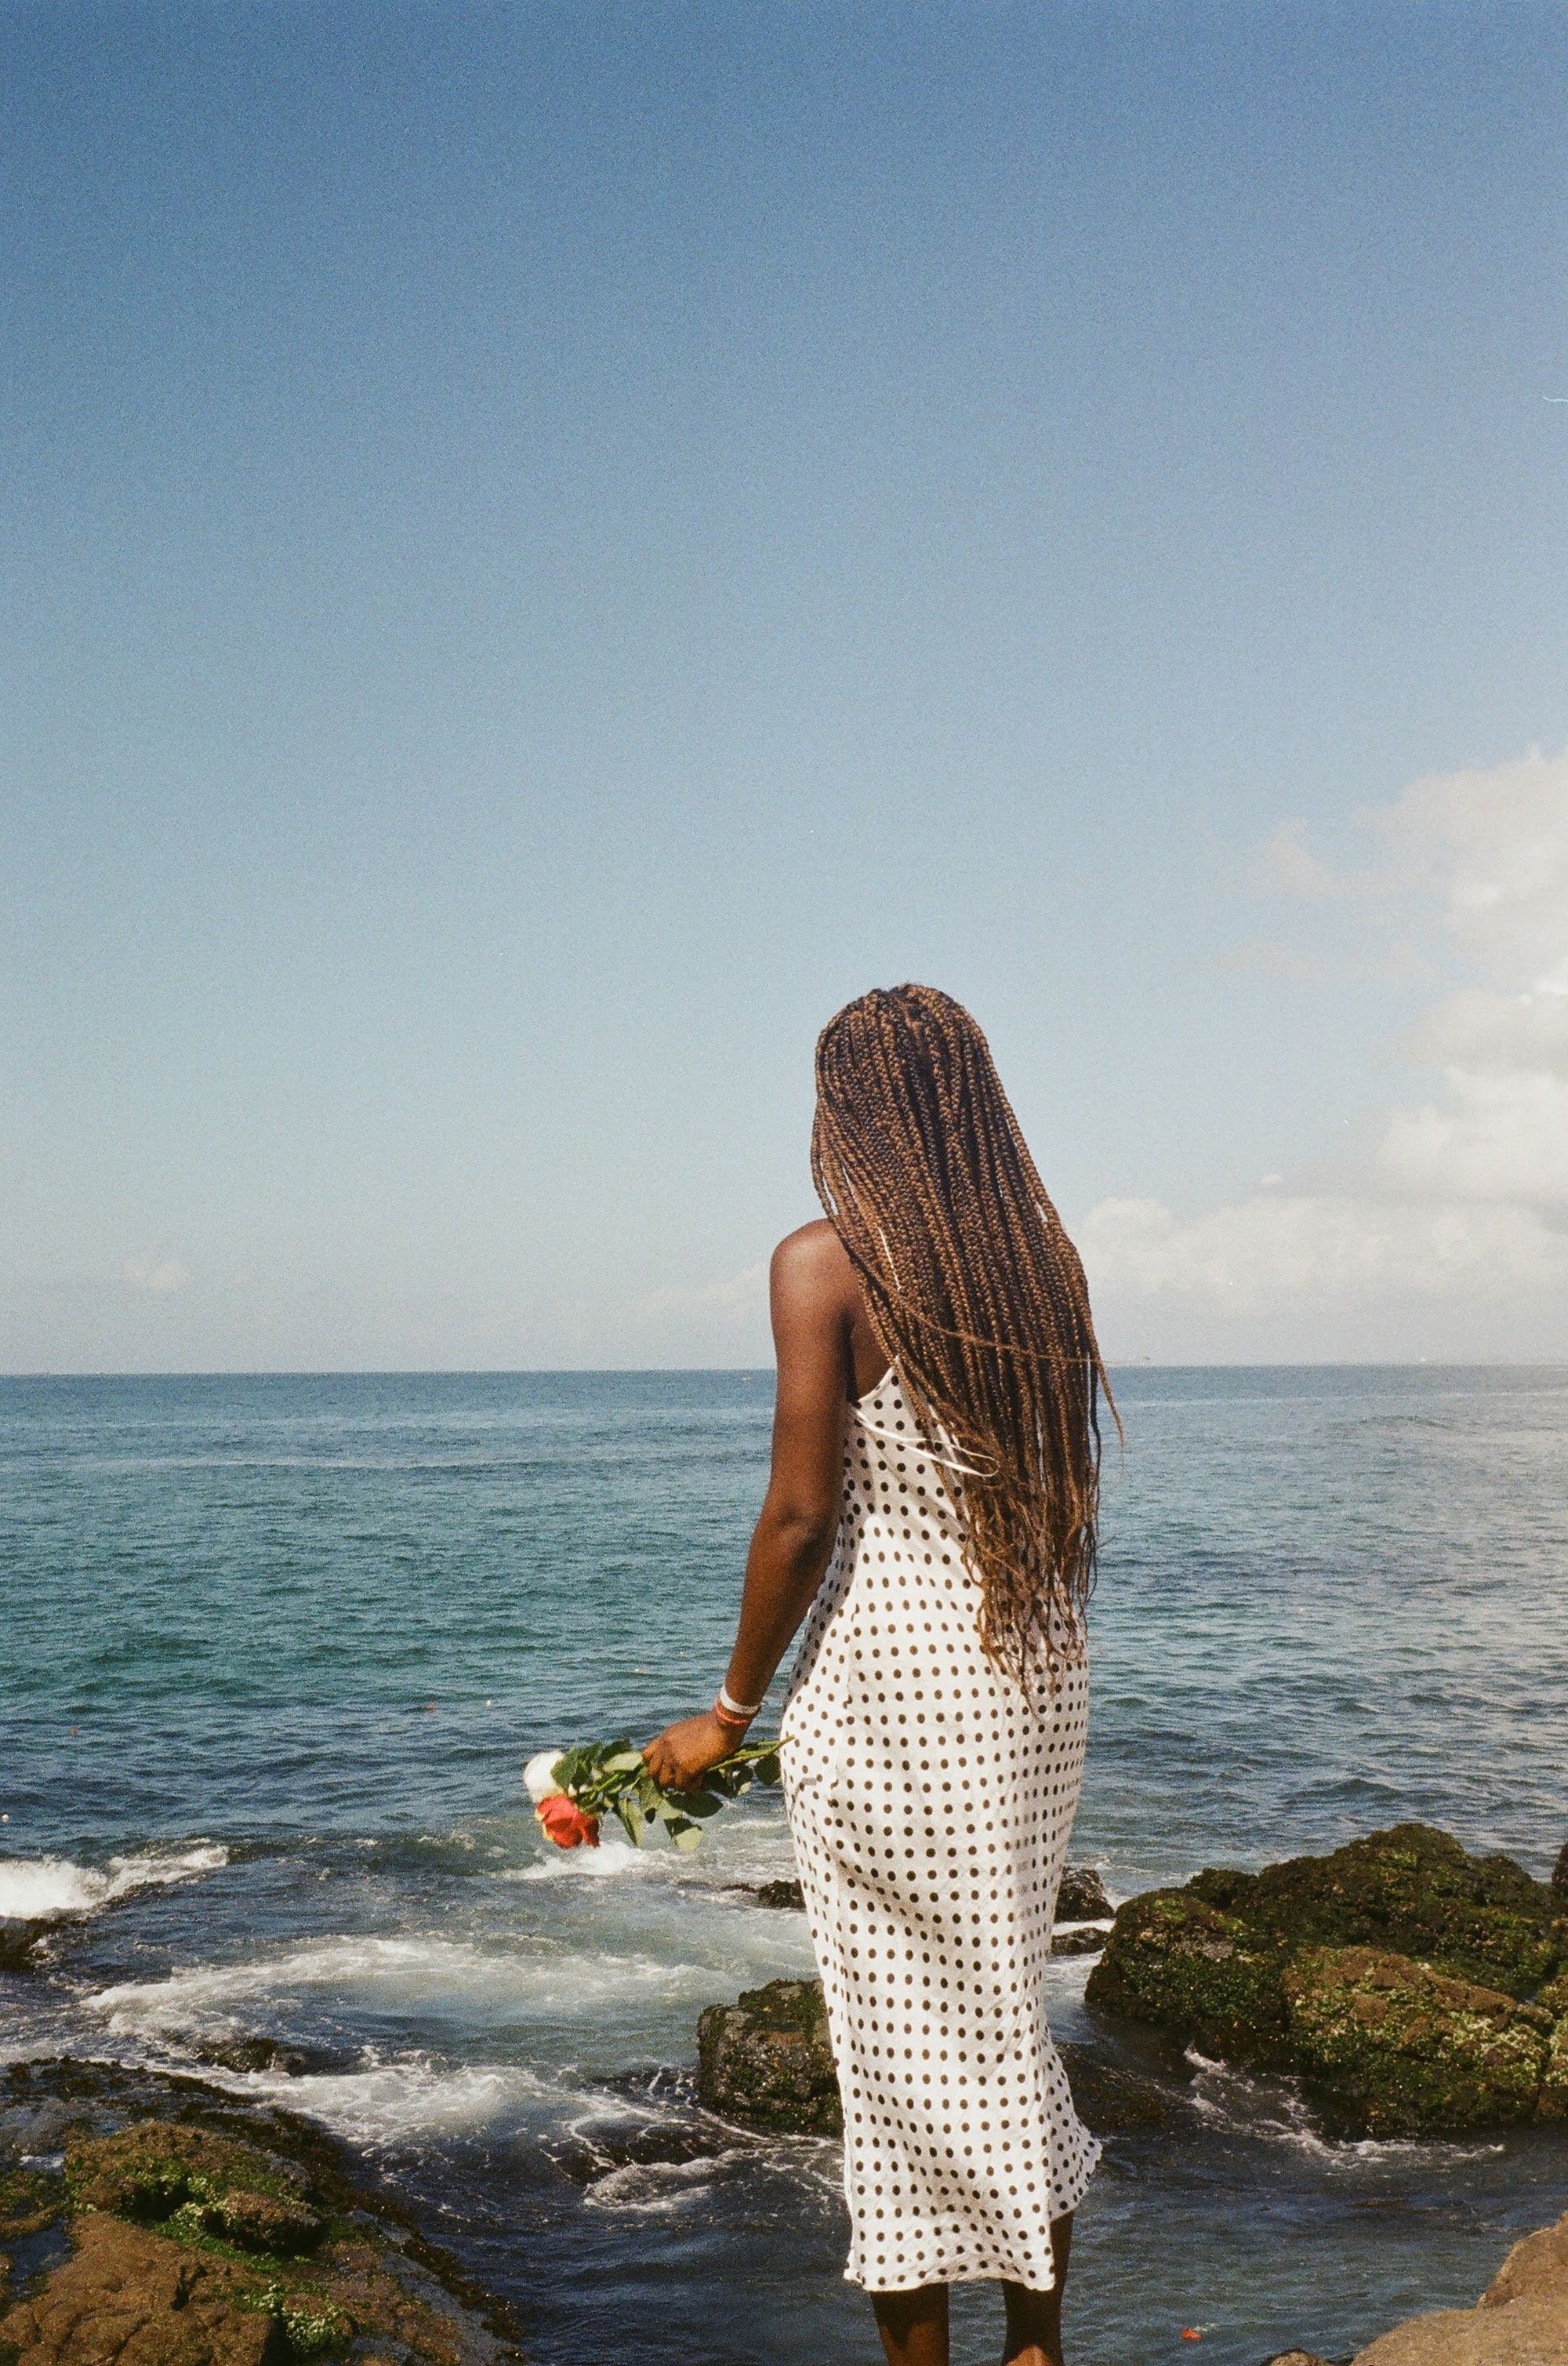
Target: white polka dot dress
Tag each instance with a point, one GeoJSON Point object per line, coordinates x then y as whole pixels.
{"type": "Point", "coordinates": [930, 1805]}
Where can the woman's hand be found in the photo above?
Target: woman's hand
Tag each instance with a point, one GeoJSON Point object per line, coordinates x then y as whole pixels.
{"type": "Point", "coordinates": [681, 1755]}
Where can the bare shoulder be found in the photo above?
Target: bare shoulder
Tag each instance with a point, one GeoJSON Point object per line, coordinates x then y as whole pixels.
{"type": "Point", "coordinates": [814, 1265]}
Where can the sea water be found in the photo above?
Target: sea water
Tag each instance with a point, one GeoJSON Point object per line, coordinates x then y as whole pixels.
{"type": "Point", "coordinates": [274, 1649]}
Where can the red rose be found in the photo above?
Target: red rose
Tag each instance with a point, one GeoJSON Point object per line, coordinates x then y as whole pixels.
{"type": "Point", "coordinates": [566, 1824]}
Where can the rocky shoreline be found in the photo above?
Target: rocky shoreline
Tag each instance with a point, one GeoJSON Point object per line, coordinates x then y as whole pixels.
{"type": "Point", "coordinates": [152, 2220]}
{"type": "Point", "coordinates": [1412, 1989]}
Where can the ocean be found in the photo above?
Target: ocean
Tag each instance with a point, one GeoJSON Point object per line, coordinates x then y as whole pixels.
{"type": "Point", "coordinates": [274, 1650]}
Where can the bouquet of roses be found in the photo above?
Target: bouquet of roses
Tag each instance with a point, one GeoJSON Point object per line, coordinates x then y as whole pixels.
{"type": "Point", "coordinates": [572, 1789]}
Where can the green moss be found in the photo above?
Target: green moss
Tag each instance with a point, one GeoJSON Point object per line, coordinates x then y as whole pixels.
{"type": "Point", "coordinates": [312, 2323]}
{"type": "Point", "coordinates": [1410, 1890]}
{"type": "Point", "coordinates": [29, 2198]}
{"type": "Point", "coordinates": [1406, 2051]}
{"type": "Point", "coordinates": [1187, 1966]}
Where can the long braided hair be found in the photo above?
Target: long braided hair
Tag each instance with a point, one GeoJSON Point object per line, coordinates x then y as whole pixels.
{"type": "Point", "coordinates": [977, 1301]}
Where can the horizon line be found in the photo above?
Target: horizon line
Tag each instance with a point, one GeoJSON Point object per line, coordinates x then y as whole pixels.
{"type": "Point", "coordinates": [750, 1371]}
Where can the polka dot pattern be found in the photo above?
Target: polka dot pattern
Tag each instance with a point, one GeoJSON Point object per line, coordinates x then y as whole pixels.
{"type": "Point", "coordinates": [931, 1807]}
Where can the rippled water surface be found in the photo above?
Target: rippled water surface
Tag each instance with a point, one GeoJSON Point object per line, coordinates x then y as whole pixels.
{"type": "Point", "coordinates": [273, 1648]}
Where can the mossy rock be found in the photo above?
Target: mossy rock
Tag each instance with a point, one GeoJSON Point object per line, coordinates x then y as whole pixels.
{"type": "Point", "coordinates": [220, 2235]}
{"type": "Point", "coordinates": [30, 2199]}
{"type": "Point", "coordinates": [1188, 1966]}
{"type": "Point", "coordinates": [1410, 1890]}
{"type": "Point", "coordinates": [195, 2183]}
{"type": "Point", "coordinates": [1402, 2050]}
{"type": "Point", "coordinates": [767, 2060]}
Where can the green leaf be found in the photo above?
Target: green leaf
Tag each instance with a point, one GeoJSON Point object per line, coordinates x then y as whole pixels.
{"type": "Point", "coordinates": [625, 1761]}
{"type": "Point", "coordinates": [700, 1803]}
{"type": "Point", "coordinates": [686, 1838]}
{"type": "Point", "coordinates": [631, 1816]}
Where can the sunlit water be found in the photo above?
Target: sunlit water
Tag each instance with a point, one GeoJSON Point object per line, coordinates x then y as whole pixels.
{"type": "Point", "coordinates": [275, 1648]}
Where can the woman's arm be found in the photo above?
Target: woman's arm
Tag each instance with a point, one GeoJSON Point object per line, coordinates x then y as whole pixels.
{"type": "Point", "coordinates": [811, 1288]}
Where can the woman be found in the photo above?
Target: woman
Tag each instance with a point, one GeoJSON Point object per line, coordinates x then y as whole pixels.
{"type": "Point", "coordinates": [933, 1504]}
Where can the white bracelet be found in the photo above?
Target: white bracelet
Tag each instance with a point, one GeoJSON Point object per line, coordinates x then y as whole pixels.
{"type": "Point", "coordinates": [737, 1708]}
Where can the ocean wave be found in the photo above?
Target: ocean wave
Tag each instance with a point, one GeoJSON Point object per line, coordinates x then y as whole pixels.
{"type": "Point", "coordinates": [1236, 2102]}
{"type": "Point", "coordinates": [552, 1983]}
{"type": "Point", "coordinates": [610, 1862]}
{"type": "Point", "coordinates": [32, 1887]}
{"type": "Point", "coordinates": [657, 2188]}
{"type": "Point", "coordinates": [389, 2102]}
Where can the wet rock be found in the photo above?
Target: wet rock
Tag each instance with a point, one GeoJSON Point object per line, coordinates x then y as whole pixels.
{"type": "Point", "coordinates": [1086, 1941]}
{"type": "Point", "coordinates": [1410, 1890]}
{"type": "Point", "coordinates": [266, 2222]}
{"type": "Point", "coordinates": [252, 2054]}
{"type": "Point", "coordinates": [30, 2199]}
{"type": "Point", "coordinates": [597, 2151]}
{"type": "Point", "coordinates": [1404, 2051]}
{"type": "Point", "coordinates": [1257, 1968]}
{"type": "Point", "coordinates": [1082, 1897]}
{"type": "Point", "coordinates": [217, 2236]}
{"type": "Point", "coordinates": [783, 1894]}
{"type": "Point", "coordinates": [766, 2060]}
{"type": "Point", "coordinates": [1185, 1965]}
{"type": "Point", "coordinates": [1111, 2100]}
{"type": "Point", "coordinates": [24, 1944]}
{"type": "Point", "coordinates": [1559, 1877]}
{"type": "Point", "coordinates": [1304, 2358]}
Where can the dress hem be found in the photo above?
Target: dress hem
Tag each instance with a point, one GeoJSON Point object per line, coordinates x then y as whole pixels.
{"type": "Point", "coordinates": [998, 2272]}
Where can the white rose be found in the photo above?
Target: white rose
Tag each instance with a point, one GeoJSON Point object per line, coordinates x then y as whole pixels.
{"type": "Point", "coordinates": [539, 1776]}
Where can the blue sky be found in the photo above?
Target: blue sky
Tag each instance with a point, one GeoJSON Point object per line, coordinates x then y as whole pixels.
{"type": "Point", "coordinates": [547, 548]}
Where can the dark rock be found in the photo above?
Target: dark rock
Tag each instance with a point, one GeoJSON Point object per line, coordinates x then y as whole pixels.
{"type": "Point", "coordinates": [1404, 2051]}
{"type": "Point", "coordinates": [268, 2222]}
{"type": "Point", "coordinates": [1412, 1891]}
{"type": "Point", "coordinates": [1559, 1877]}
{"type": "Point", "coordinates": [248, 2054]}
{"type": "Point", "coordinates": [24, 1944]}
{"type": "Point", "coordinates": [190, 2231]}
{"type": "Point", "coordinates": [1082, 1897]}
{"type": "Point", "coordinates": [1258, 1968]}
{"type": "Point", "coordinates": [1179, 1963]}
{"type": "Point", "coordinates": [1111, 2100]}
{"type": "Point", "coordinates": [593, 2151]}
{"type": "Point", "coordinates": [766, 2060]}
{"type": "Point", "coordinates": [785, 1894]}
{"type": "Point", "coordinates": [1086, 1941]}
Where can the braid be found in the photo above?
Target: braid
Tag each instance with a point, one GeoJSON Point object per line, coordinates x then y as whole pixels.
{"type": "Point", "coordinates": [977, 1301]}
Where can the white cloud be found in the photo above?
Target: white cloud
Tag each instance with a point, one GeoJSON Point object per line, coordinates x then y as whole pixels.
{"type": "Point", "coordinates": [742, 1294]}
{"type": "Point", "coordinates": [1277, 1248]}
{"type": "Point", "coordinates": [160, 1276]}
{"type": "Point", "coordinates": [1461, 1198]}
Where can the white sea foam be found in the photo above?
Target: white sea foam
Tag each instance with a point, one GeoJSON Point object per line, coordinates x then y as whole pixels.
{"type": "Point", "coordinates": [55, 1884]}
{"type": "Point", "coordinates": [656, 2189]}
{"type": "Point", "coordinates": [609, 1861]}
{"type": "Point", "coordinates": [447, 1976]}
{"type": "Point", "coordinates": [1234, 2102]}
{"type": "Point", "coordinates": [387, 2103]}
